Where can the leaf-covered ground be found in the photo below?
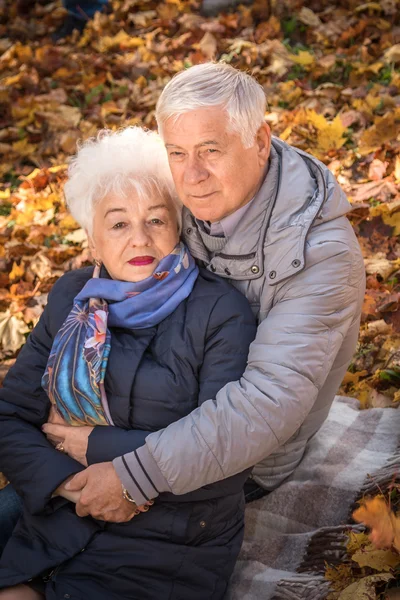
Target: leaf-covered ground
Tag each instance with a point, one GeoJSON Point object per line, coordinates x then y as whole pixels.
{"type": "Point", "coordinates": [331, 72]}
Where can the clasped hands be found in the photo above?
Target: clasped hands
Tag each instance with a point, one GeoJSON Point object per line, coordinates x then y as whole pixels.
{"type": "Point", "coordinates": [97, 490]}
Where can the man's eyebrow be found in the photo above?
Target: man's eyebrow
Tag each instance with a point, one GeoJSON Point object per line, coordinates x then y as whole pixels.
{"type": "Point", "coordinates": [205, 143]}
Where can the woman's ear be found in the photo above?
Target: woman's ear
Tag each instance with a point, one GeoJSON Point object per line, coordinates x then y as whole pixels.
{"type": "Point", "coordinates": [92, 246]}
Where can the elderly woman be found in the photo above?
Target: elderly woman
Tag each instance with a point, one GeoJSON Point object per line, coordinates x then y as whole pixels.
{"type": "Point", "coordinates": [121, 350]}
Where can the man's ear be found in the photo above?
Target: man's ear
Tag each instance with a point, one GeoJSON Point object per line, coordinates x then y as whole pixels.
{"type": "Point", "coordinates": [263, 141]}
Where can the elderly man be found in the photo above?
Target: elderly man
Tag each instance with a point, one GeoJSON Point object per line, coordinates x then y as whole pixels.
{"type": "Point", "coordinates": [270, 219]}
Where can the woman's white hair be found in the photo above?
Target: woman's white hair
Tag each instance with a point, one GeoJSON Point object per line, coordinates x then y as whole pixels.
{"type": "Point", "coordinates": [115, 163]}
{"type": "Point", "coordinates": [215, 84]}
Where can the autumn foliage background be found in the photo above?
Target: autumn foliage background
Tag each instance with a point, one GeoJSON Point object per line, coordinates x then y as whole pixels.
{"type": "Point", "coordinates": [331, 74]}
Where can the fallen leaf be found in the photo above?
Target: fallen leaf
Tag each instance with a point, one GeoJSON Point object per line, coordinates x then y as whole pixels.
{"type": "Point", "coordinates": [17, 272]}
{"type": "Point", "coordinates": [208, 45]}
{"type": "Point", "coordinates": [303, 58]}
{"type": "Point", "coordinates": [308, 17]}
{"type": "Point", "coordinates": [365, 588]}
{"type": "Point", "coordinates": [381, 266]}
{"type": "Point", "coordinates": [377, 169]}
{"type": "Point", "coordinates": [379, 560]}
{"type": "Point", "coordinates": [12, 330]}
{"type": "Point", "coordinates": [384, 525]}
{"type": "Point", "coordinates": [392, 54]}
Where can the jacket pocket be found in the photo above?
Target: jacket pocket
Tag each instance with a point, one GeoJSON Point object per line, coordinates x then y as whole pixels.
{"type": "Point", "coordinates": [217, 520]}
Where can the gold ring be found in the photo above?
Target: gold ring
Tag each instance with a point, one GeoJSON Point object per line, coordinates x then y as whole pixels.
{"type": "Point", "coordinates": [60, 447]}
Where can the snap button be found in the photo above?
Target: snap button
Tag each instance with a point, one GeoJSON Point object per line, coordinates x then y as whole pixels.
{"type": "Point", "coordinates": [83, 549]}
{"type": "Point", "coordinates": [296, 263]}
{"type": "Point", "coordinates": [212, 268]}
{"type": "Point", "coordinates": [67, 595]}
{"type": "Point", "coordinates": [227, 271]}
{"type": "Point", "coordinates": [272, 274]}
{"type": "Point", "coordinates": [202, 524]}
{"type": "Point", "coordinates": [189, 230]}
{"type": "Point", "coordinates": [254, 269]}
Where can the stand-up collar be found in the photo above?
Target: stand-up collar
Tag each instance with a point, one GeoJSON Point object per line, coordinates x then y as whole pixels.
{"type": "Point", "coordinates": [295, 189]}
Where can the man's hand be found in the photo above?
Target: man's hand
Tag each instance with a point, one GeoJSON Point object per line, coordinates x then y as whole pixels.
{"type": "Point", "coordinates": [74, 439]}
{"type": "Point", "coordinates": [101, 495]}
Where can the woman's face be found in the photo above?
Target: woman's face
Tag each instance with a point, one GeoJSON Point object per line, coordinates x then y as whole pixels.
{"type": "Point", "coordinates": [132, 234]}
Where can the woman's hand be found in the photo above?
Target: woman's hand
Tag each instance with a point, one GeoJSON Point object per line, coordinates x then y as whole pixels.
{"type": "Point", "coordinates": [64, 493]}
{"type": "Point", "coordinates": [73, 439]}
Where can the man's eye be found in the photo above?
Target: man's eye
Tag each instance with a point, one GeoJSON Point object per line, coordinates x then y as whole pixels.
{"type": "Point", "coordinates": [212, 150]}
{"type": "Point", "coordinates": [175, 153]}
{"type": "Point", "coordinates": [156, 222]}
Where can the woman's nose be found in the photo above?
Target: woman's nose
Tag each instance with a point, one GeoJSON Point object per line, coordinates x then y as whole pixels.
{"type": "Point", "coordinates": [140, 236]}
{"type": "Point", "coordinates": [195, 172]}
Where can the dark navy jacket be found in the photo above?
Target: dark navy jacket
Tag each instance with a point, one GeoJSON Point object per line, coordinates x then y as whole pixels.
{"type": "Point", "coordinates": [185, 546]}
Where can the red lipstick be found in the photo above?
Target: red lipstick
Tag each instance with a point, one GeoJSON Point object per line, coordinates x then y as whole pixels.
{"type": "Point", "coordinates": [140, 261]}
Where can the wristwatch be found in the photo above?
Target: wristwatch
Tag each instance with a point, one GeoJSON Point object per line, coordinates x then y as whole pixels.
{"type": "Point", "coordinates": [127, 495]}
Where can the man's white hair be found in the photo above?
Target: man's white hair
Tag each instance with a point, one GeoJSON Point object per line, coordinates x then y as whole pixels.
{"type": "Point", "coordinates": [116, 163]}
{"type": "Point", "coordinates": [215, 84]}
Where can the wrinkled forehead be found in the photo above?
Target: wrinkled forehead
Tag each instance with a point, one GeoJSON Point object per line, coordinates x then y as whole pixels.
{"type": "Point", "coordinates": [197, 127]}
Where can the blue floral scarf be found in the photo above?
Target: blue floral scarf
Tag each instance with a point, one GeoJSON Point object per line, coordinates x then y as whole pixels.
{"type": "Point", "coordinates": [75, 372]}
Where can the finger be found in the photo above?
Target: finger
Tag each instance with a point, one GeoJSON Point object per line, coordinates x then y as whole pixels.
{"type": "Point", "coordinates": [81, 511]}
{"type": "Point", "coordinates": [53, 429]}
{"type": "Point", "coordinates": [54, 439]}
{"type": "Point", "coordinates": [78, 482]}
{"type": "Point", "coordinates": [143, 508]}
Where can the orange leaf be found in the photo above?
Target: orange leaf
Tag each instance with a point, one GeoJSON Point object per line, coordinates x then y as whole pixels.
{"type": "Point", "coordinates": [384, 524]}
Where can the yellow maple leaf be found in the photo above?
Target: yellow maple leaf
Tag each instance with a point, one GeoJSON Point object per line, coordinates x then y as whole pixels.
{"type": "Point", "coordinates": [329, 134]}
{"type": "Point", "coordinates": [384, 524]}
{"type": "Point", "coordinates": [303, 58]}
{"type": "Point", "coordinates": [17, 272]}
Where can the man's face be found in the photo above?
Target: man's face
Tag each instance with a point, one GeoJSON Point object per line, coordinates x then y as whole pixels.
{"type": "Point", "coordinates": [214, 173]}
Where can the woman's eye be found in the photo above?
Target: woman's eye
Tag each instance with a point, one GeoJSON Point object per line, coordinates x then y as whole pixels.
{"type": "Point", "coordinates": [119, 225]}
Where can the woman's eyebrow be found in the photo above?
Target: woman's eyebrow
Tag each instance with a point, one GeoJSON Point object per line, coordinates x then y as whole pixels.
{"type": "Point", "coordinates": [111, 210]}
{"type": "Point", "coordinates": [158, 206]}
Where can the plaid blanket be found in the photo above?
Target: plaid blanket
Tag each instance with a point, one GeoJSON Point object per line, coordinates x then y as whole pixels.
{"type": "Point", "coordinates": [290, 533]}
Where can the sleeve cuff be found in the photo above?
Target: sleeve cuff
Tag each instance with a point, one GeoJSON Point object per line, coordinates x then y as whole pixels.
{"type": "Point", "coordinates": [140, 475]}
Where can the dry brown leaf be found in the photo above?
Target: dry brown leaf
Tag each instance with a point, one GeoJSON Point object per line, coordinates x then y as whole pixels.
{"type": "Point", "coordinates": [208, 45]}
{"type": "Point", "coordinates": [12, 331]}
{"type": "Point", "coordinates": [364, 589]}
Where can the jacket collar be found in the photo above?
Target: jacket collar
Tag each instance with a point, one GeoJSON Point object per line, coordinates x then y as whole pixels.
{"type": "Point", "coordinates": [296, 191]}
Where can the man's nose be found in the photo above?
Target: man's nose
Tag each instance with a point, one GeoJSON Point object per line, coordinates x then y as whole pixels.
{"type": "Point", "coordinates": [195, 172]}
